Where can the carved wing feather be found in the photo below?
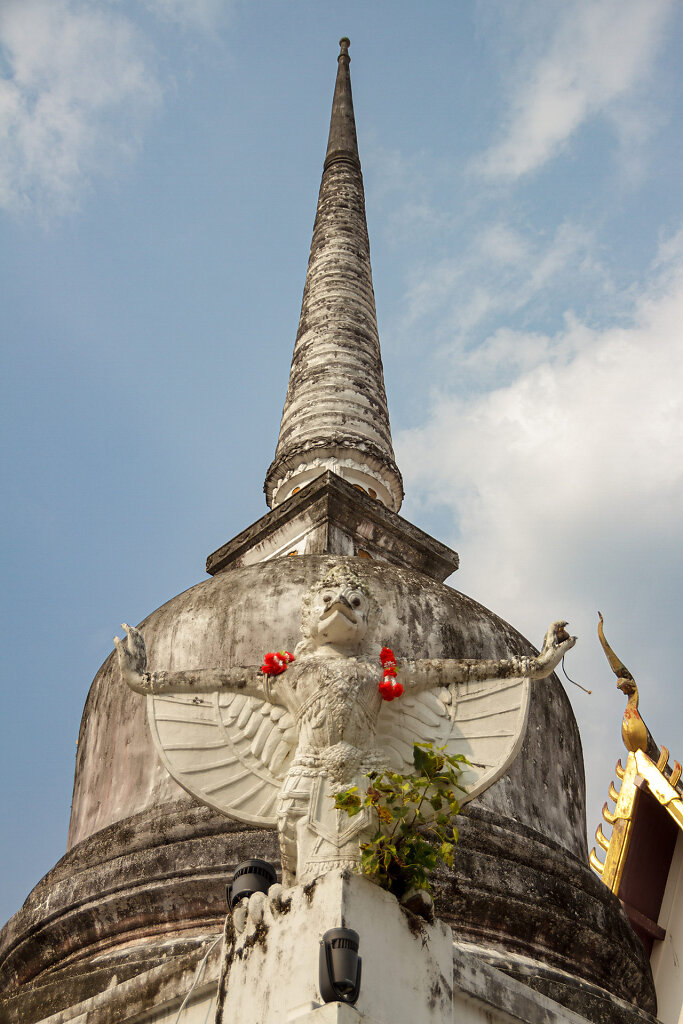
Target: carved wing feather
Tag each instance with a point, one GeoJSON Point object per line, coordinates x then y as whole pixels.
{"type": "Point", "coordinates": [229, 751]}
{"type": "Point", "coordinates": [232, 752]}
{"type": "Point", "coordinates": [484, 721]}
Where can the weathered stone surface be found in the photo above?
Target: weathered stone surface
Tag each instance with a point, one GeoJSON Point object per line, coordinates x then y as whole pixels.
{"type": "Point", "coordinates": [492, 992]}
{"type": "Point", "coordinates": [142, 892]}
{"type": "Point", "coordinates": [142, 870]}
{"type": "Point", "coordinates": [513, 891]}
{"type": "Point", "coordinates": [116, 991]}
{"type": "Point", "coordinates": [331, 517]}
{"type": "Point", "coordinates": [237, 616]}
{"type": "Point", "coordinates": [406, 963]}
{"type": "Point", "coordinates": [336, 406]}
{"type": "Point", "coordinates": [124, 990]}
{"type": "Point", "coordinates": [264, 750]}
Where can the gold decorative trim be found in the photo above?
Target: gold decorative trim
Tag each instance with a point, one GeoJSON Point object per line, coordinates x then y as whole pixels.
{"type": "Point", "coordinates": [676, 774]}
{"type": "Point", "coordinates": [601, 839]}
{"type": "Point", "coordinates": [596, 864]}
{"type": "Point", "coordinates": [663, 758]}
{"type": "Point", "coordinates": [607, 814]}
{"type": "Point", "coordinates": [621, 821]}
{"type": "Point", "coordinates": [661, 790]}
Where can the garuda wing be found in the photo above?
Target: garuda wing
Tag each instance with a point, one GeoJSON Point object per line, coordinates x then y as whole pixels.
{"type": "Point", "coordinates": [485, 721]}
{"type": "Point", "coordinates": [227, 750]}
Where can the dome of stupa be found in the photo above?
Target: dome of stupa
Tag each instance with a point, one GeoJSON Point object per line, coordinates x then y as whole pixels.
{"type": "Point", "coordinates": [147, 867]}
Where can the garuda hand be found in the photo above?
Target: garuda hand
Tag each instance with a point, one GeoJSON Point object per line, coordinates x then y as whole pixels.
{"type": "Point", "coordinates": [133, 659]}
{"type": "Point", "coordinates": [555, 645]}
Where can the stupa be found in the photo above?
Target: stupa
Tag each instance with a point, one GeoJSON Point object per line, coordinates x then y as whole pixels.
{"type": "Point", "coordinates": [127, 925]}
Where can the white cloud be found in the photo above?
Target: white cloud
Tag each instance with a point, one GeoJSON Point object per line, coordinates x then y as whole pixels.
{"type": "Point", "coordinates": [599, 51]}
{"type": "Point", "coordinates": [500, 271]}
{"type": "Point", "coordinates": [205, 15]}
{"type": "Point", "coordinates": [568, 486]}
{"type": "Point", "coordinates": [78, 88]}
{"type": "Point", "coordinates": [587, 413]}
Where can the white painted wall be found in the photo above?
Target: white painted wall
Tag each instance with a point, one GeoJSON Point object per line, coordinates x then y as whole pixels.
{"type": "Point", "coordinates": [667, 955]}
{"type": "Point", "coordinates": [273, 975]}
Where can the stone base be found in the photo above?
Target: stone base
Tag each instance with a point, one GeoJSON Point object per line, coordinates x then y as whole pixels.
{"type": "Point", "coordinates": [270, 973]}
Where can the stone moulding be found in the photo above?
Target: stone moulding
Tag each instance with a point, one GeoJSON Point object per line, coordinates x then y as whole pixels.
{"type": "Point", "coordinates": [329, 516]}
{"type": "Point", "coordinates": [350, 453]}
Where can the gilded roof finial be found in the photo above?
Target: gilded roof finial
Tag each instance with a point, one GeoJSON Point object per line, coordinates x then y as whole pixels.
{"type": "Point", "coordinates": [633, 728]}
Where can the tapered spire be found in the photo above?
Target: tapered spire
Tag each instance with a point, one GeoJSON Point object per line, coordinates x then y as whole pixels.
{"type": "Point", "coordinates": [335, 415]}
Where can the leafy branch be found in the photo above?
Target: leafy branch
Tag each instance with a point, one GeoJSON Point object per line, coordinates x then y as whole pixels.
{"type": "Point", "coordinates": [415, 817]}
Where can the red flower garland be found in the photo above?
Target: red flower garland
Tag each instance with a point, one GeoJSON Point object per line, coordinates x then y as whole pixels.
{"type": "Point", "coordinates": [276, 662]}
{"type": "Point", "coordinates": [390, 687]}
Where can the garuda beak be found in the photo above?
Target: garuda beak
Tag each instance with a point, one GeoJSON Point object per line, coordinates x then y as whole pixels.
{"type": "Point", "coordinates": [341, 605]}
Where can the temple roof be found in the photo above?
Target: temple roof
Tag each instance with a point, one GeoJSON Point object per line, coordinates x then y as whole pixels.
{"type": "Point", "coordinates": [647, 817]}
{"type": "Point", "coordinates": [335, 415]}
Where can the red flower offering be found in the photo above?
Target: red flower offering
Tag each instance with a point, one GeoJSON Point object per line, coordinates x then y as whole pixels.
{"type": "Point", "coordinates": [389, 687]}
{"type": "Point", "coordinates": [276, 662]}
{"type": "Point", "coordinates": [386, 656]}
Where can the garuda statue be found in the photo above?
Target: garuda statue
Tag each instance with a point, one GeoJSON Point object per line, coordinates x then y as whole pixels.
{"type": "Point", "coordinates": [268, 749]}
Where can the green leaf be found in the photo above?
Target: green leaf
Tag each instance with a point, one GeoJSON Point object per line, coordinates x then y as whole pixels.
{"type": "Point", "coordinates": [348, 801]}
{"type": "Point", "coordinates": [407, 845]}
{"type": "Point", "coordinates": [420, 757]}
{"type": "Point", "coordinates": [446, 853]}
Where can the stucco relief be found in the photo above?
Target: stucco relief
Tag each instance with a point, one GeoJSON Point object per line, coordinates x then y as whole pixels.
{"type": "Point", "coordinates": [354, 468]}
{"type": "Point", "coordinates": [276, 749]}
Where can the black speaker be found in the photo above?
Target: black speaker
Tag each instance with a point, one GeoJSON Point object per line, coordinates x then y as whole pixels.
{"type": "Point", "coordinates": [250, 876]}
{"type": "Point", "coordinates": [340, 966]}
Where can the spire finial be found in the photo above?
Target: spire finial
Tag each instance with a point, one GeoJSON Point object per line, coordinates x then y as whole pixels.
{"type": "Point", "coordinates": [335, 416]}
{"type": "Point", "coordinates": [342, 143]}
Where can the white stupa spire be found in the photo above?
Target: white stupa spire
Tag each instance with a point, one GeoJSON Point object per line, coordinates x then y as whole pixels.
{"type": "Point", "coordinates": [335, 415]}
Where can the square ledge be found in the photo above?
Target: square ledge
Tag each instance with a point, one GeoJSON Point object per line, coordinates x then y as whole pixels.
{"type": "Point", "coordinates": [331, 517]}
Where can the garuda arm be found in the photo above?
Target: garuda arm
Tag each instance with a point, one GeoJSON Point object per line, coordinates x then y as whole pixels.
{"type": "Point", "coordinates": [132, 653]}
{"type": "Point", "coordinates": [428, 673]}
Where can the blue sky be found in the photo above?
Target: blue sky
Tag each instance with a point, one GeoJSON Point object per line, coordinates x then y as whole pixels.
{"type": "Point", "coordinates": [159, 169]}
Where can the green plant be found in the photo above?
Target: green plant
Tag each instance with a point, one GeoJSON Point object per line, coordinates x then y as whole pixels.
{"type": "Point", "coordinates": [415, 819]}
